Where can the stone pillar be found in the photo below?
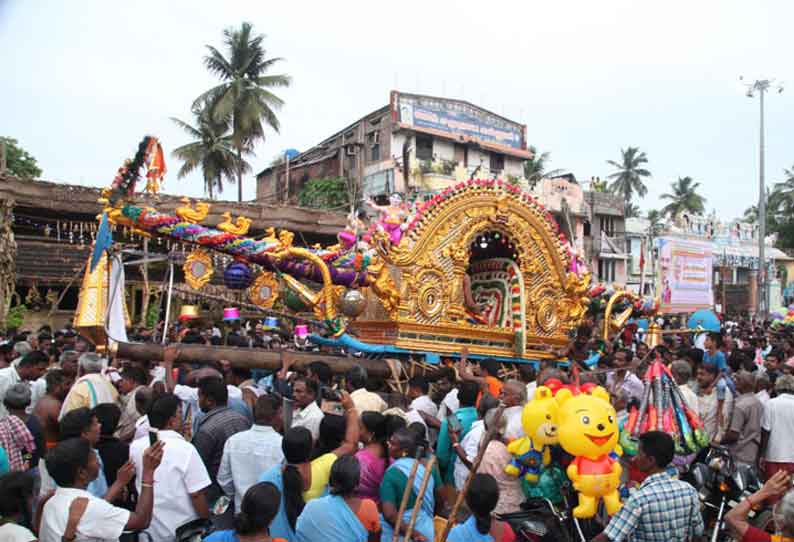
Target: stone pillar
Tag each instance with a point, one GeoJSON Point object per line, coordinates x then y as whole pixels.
{"type": "Point", "coordinates": [753, 291]}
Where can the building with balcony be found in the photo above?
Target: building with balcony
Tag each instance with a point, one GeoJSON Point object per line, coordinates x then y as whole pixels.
{"type": "Point", "coordinates": [415, 145]}
{"type": "Point", "coordinates": [605, 239]}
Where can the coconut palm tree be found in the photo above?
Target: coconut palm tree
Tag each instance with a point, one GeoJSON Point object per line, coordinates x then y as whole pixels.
{"type": "Point", "coordinates": [212, 150]}
{"type": "Point", "coordinates": [627, 180]}
{"type": "Point", "coordinates": [684, 198]}
{"type": "Point", "coordinates": [654, 218]}
{"type": "Point", "coordinates": [244, 97]}
{"type": "Point", "coordinates": [631, 210]}
{"type": "Point", "coordinates": [782, 197]}
{"type": "Point", "coordinates": [535, 168]}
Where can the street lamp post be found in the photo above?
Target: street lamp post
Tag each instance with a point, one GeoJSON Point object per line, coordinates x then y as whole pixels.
{"type": "Point", "coordinates": [761, 86]}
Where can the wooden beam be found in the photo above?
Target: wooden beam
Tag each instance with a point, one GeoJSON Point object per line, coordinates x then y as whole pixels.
{"type": "Point", "coordinates": [250, 358]}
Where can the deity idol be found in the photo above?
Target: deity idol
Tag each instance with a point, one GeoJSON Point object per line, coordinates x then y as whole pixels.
{"type": "Point", "coordinates": [392, 217]}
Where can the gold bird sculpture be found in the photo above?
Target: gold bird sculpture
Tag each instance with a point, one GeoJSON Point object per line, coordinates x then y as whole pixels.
{"type": "Point", "coordinates": [189, 214]}
{"type": "Point", "coordinates": [239, 227]}
{"type": "Point", "coordinates": [285, 237]}
{"type": "Point", "coordinates": [270, 236]}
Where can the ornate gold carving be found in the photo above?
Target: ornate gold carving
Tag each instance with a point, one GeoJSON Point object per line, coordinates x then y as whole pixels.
{"type": "Point", "coordinates": [198, 269]}
{"type": "Point", "coordinates": [385, 289]}
{"type": "Point", "coordinates": [238, 227]}
{"type": "Point", "coordinates": [189, 214]}
{"type": "Point", "coordinates": [574, 304]}
{"type": "Point", "coordinates": [432, 295]}
{"type": "Point", "coordinates": [546, 316]}
{"type": "Point", "coordinates": [264, 291]}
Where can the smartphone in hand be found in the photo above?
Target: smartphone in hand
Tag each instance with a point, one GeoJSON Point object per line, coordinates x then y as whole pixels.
{"type": "Point", "coordinates": [152, 437]}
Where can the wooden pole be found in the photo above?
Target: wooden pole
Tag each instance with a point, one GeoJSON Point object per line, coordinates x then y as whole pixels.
{"type": "Point", "coordinates": [409, 485]}
{"type": "Point", "coordinates": [474, 466]}
{"type": "Point", "coordinates": [249, 358]}
{"type": "Point", "coordinates": [422, 489]}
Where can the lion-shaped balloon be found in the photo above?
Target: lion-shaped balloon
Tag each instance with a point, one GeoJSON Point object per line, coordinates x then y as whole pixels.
{"type": "Point", "coordinates": [531, 453]}
{"type": "Point", "coordinates": [588, 430]}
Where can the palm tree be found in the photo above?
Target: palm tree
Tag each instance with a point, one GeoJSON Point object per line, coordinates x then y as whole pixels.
{"type": "Point", "coordinates": [243, 98]}
{"type": "Point", "coordinates": [684, 198]}
{"type": "Point", "coordinates": [631, 210]}
{"type": "Point", "coordinates": [212, 150]}
{"type": "Point", "coordinates": [654, 218]}
{"type": "Point", "coordinates": [535, 168]}
{"type": "Point", "coordinates": [782, 198]}
{"type": "Point", "coordinates": [627, 180]}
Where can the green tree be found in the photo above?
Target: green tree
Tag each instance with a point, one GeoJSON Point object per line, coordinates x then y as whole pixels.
{"type": "Point", "coordinates": [782, 197]}
{"type": "Point", "coordinates": [684, 198]}
{"type": "Point", "coordinates": [244, 97]}
{"type": "Point", "coordinates": [628, 179]}
{"type": "Point", "coordinates": [19, 162]}
{"type": "Point", "coordinates": [325, 193]}
{"type": "Point", "coordinates": [654, 218]}
{"type": "Point", "coordinates": [535, 168]}
{"type": "Point", "coordinates": [631, 210]}
{"type": "Point", "coordinates": [212, 150]}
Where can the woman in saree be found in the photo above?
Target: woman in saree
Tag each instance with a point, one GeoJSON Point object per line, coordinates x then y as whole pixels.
{"type": "Point", "coordinates": [340, 516]}
{"type": "Point", "coordinates": [373, 458]}
{"type": "Point", "coordinates": [291, 479]}
{"type": "Point", "coordinates": [481, 500]}
{"type": "Point", "coordinates": [402, 448]}
{"type": "Point", "coordinates": [252, 524]}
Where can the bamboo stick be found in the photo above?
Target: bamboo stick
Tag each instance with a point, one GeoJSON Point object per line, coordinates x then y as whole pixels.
{"type": "Point", "coordinates": [474, 466]}
{"type": "Point", "coordinates": [422, 489]}
{"type": "Point", "coordinates": [406, 495]}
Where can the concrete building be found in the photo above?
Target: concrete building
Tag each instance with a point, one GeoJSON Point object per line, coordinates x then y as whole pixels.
{"type": "Point", "coordinates": [415, 145]}
{"type": "Point", "coordinates": [734, 249]}
{"type": "Point", "coordinates": [605, 239]}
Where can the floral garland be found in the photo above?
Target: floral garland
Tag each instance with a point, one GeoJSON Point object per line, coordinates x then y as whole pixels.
{"type": "Point", "coordinates": [425, 207]}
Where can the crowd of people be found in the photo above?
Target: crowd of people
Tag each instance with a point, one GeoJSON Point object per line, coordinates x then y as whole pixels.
{"type": "Point", "coordinates": [99, 449]}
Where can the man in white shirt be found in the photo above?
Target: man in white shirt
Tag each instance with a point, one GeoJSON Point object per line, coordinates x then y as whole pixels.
{"type": "Point", "coordinates": [307, 414]}
{"type": "Point", "coordinates": [418, 390]}
{"type": "Point", "coordinates": [31, 367]}
{"type": "Point", "coordinates": [181, 478]}
{"type": "Point", "coordinates": [682, 373]}
{"type": "Point", "coordinates": [777, 426]}
{"type": "Point", "coordinates": [762, 384]}
{"type": "Point", "coordinates": [514, 397]}
{"type": "Point", "coordinates": [73, 465]}
{"type": "Point", "coordinates": [364, 399]}
{"type": "Point", "coordinates": [247, 455]}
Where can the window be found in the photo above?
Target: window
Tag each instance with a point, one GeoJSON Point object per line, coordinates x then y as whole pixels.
{"type": "Point", "coordinates": [608, 225]}
{"type": "Point", "coordinates": [586, 231]}
{"type": "Point", "coordinates": [497, 162]}
{"type": "Point", "coordinates": [424, 147]}
{"type": "Point", "coordinates": [606, 270]}
{"type": "Point", "coordinates": [375, 153]}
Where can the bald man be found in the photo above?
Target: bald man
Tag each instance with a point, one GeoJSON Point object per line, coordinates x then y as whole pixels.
{"type": "Point", "coordinates": [743, 436]}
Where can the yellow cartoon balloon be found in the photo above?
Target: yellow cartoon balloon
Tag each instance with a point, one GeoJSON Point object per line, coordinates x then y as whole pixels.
{"type": "Point", "coordinates": [588, 430]}
{"type": "Point", "coordinates": [531, 453]}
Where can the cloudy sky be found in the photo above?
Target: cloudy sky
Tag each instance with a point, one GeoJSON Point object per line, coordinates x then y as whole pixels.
{"type": "Point", "coordinates": [83, 81]}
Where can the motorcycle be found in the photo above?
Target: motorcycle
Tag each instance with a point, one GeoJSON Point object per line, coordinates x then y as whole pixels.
{"type": "Point", "coordinates": [540, 520]}
{"type": "Point", "coordinates": [721, 484]}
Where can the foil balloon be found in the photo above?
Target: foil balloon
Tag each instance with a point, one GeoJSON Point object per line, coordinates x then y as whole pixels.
{"type": "Point", "coordinates": [352, 303]}
{"type": "Point", "coordinates": [237, 276]}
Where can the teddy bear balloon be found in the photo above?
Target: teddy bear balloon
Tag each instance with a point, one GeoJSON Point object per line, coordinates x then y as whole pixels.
{"type": "Point", "coordinates": [531, 453]}
{"type": "Point", "coordinates": [588, 430]}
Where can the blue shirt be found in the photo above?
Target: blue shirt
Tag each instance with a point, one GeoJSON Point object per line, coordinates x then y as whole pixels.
{"type": "Point", "coordinates": [467, 416]}
{"type": "Point", "coordinates": [717, 359]}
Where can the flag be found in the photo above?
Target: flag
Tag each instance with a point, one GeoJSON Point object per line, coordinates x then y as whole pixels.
{"type": "Point", "coordinates": [103, 241]}
{"type": "Point", "coordinates": [642, 254]}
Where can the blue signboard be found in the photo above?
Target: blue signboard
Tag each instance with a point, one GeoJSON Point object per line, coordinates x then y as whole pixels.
{"type": "Point", "coordinates": [459, 118]}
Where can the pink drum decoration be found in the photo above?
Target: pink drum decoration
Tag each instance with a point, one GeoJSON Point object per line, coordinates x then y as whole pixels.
{"type": "Point", "coordinates": [230, 314]}
{"type": "Point", "coordinates": [301, 331]}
